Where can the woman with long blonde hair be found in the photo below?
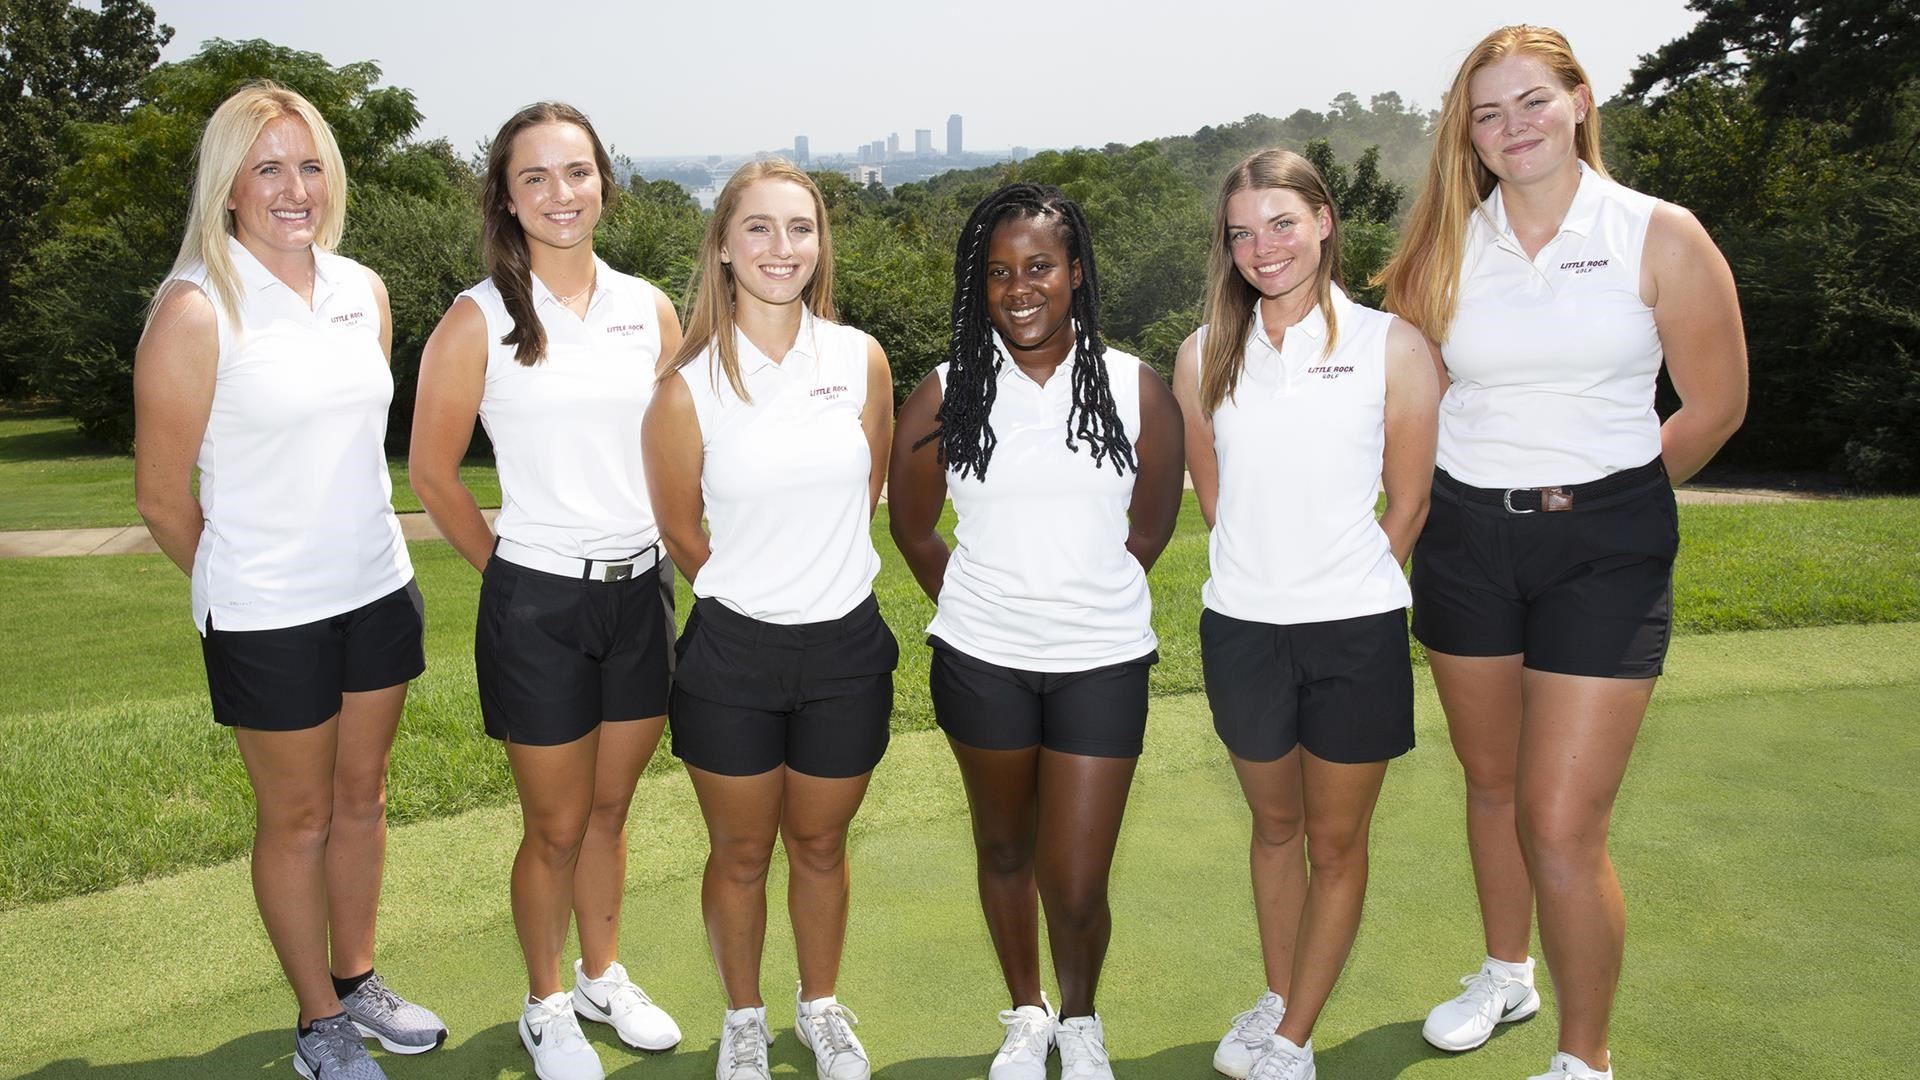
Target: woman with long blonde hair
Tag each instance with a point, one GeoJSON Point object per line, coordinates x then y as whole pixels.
{"type": "Point", "coordinates": [1542, 581]}
{"type": "Point", "coordinates": [264, 367]}
{"type": "Point", "coordinates": [1301, 406]}
{"type": "Point", "coordinates": [772, 423]}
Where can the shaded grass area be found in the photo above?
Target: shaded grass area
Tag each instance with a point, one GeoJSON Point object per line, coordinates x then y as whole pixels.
{"type": "Point", "coordinates": [1753, 839]}
{"type": "Point", "coordinates": [115, 771]}
{"type": "Point", "coordinates": [54, 479]}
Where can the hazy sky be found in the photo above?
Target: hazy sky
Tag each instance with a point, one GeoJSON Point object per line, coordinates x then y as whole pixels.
{"type": "Point", "coordinates": [694, 77]}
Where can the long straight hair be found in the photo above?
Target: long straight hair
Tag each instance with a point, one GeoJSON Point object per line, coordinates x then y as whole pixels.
{"type": "Point", "coordinates": [1231, 298]}
{"type": "Point", "coordinates": [229, 135]}
{"type": "Point", "coordinates": [1422, 280]}
{"type": "Point", "coordinates": [710, 309]}
{"type": "Point", "coordinates": [503, 246]}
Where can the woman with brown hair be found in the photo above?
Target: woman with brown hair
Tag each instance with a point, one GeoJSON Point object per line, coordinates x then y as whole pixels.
{"type": "Point", "coordinates": [556, 353]}
{"type": "Point", "coordinates": [772, 423]}
{"type": "Point", "coordinates": [1543, 579]}
{"type": "Point", "coordinates": [1300, 405]}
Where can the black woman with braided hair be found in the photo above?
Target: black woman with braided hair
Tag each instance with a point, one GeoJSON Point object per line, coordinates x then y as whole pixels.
{"type": "Point", "coordinates": [1063, 460]}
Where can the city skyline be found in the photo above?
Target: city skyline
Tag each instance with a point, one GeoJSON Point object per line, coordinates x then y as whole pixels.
{"type": "Point", "coordinates": [1178, 70]}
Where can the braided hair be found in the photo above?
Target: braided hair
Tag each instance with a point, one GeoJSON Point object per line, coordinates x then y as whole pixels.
{"type": "Point", "coordinates": [966, 438]}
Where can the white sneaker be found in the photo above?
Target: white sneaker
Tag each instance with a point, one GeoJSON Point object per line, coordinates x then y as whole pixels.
{"type": "Point", "coordinates": [743, 1045]}
{"type": "Point", "coordinates": [614, 999]}
{"type": "Point", "coordinates": [1565, 1066]}
{"type": "Point", "coordinates": [1281, 1059]}
{"type": "Point", "coordinates": [826, 1027]}
{"type": "Point", "coordinates": [1493, 997]}
{"type": "Point", "coordinates": [1083, 1048]}
{"type": "Point", "coordinates": [1023, 1054]}
{"type": "Point", "coordinates": [1247, 1036]}
{"type": "Point", "coordinates": [551, 1033]}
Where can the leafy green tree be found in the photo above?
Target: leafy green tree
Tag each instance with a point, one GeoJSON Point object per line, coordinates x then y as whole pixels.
{"type": "Point", "coordinates": [1790, 130]}
{"type": "Point", "coordinates": [1832, 60]}
{"type": "Point", "coordinates": [113, 222]}
{"type": "Point", "coordinates": [60, 62]}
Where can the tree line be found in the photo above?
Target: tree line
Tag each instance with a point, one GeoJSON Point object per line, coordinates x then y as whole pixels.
{"type": "Point", "coordinates": [1790, 129]}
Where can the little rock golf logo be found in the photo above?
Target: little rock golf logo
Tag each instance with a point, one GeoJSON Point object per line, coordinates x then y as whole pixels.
{"type": "Point", "coordinates": [1331, 371]}
{"type": "Point", "coordinates": [1584, 266]}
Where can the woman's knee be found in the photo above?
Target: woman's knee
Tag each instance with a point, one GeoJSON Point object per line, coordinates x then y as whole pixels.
{"type": "Point", "coordinates": [1562, 841]}
{"type": "Point", "coordinates": [1003, 854]}
{"type": "Point", "coordinates": [1277, 826]}
{"type": "Point", "coordinates": [554, 839]}
{"type": "Point", "coordinates": [822, 852]}
{"type": "Point", "coordinates": [360, 802]}
{"type": "Point", "coordinates": [743, 860]}
{"type": "Point", "coordinates": [295, 822]}
{"type": "Point", "coordinates": [1336, 851]}
{"type": "Point", "coordinates": [609, 814]}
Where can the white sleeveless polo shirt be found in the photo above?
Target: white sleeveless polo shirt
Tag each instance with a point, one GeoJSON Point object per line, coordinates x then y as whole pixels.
{"type": "Point", "coordinates": [1552, 360]}
{"type": "Point", "coordinates": [299, 523]}
{"type": "Point", "coordinates": [1040, 578]}
{"type": "Point", "coordinates": [785, 477]}
{"type": "Point", "coordinates": [566, 430]}
{"type": "Point", "coordinates": [1301, 444]}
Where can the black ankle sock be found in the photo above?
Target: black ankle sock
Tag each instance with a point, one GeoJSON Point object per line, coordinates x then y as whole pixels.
{"type": "Point", "coordinates": [343, 987]}
{"type": "Point", "coordinates": [307, 1029]}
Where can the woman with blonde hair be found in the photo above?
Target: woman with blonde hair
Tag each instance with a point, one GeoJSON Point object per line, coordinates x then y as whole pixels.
{"type": "Point", "coordinates": [1300, 407]}
{"type": "Point", "coordinates": [1542, 581]}
{"type": "Point", "coordinates": [772, 422]}
{"type": "Point", "coordinates": [556, 354]}
{"type": "Point", "coordinates": [264, 366]}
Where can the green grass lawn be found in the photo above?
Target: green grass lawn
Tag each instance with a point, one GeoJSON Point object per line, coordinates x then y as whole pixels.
{"type": "Point", "coordinates": [54, 479]}
{"type": "Point", "coordinates": [115, 773]}
{"type": "Point", "coordinates": [1766, 839]}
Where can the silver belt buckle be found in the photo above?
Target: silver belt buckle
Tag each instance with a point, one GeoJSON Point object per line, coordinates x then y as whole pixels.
{"type": "Point", "coordinates": [616, 571]}
{"type": "Point", "coordinates": [1506, 500]}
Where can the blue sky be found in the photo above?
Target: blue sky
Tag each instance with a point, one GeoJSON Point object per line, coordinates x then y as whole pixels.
{"type": "Point", "coordinates": [687, 77]}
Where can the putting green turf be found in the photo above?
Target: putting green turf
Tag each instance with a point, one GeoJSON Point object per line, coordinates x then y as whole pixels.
{"type": "Point", "coordinates": [1767, 837]}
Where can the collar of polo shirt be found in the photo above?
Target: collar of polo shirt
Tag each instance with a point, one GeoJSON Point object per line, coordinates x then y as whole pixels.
{"type": "Point", "coordinates": [1492, 214]}
{"type": "Point", "coordinates": [752, 360]}
{"type": "Point", "coordinates": [1005, 368]}
{"type": "Point", "coordinates": [1314, 325]}
{"type": "Point", "coordinates": [255, 277]}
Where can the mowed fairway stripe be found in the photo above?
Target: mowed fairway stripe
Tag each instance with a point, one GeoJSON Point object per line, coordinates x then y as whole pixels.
{"type": "Point", "coordinates": [1766, 836]}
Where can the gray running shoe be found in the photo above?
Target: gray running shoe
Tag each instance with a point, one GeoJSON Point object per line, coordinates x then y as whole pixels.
{"type": "Point", "coordinates": [332, 1050]}
{"type": "Point", "coordinates": [400, 1025]}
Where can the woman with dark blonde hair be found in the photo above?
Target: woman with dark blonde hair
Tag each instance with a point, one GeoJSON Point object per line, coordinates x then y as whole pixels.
{"type": "Point", "coordinates": [264, 366]}
{"type": "Point", "coordinates": [556, 353]}
{"type": "Point", "coordinates": [772, 423]}
{"type": "Point", "coordinates": [1300, 406]}
{"type": "Point", "coordinates": [1543, 579]}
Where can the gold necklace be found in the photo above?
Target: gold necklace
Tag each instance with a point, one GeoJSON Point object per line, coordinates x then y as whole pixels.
{"type": "Point", "coordinates": [567, 301]}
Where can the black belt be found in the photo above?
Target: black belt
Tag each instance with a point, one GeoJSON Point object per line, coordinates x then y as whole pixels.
{"type": "Point", "coordinates": [1552, 499]}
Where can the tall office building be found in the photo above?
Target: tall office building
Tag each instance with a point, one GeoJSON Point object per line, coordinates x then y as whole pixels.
{"type": "Point", "coordinates": [893, 146]}
{"type": "Point", "coordinates": [800, 155]}
{"type": "Point", "coordinates": [953, 135]}
{"type": "Point", "coordinates": [923, 142]}
{"type": "Point", "coordinates": [877, 151]}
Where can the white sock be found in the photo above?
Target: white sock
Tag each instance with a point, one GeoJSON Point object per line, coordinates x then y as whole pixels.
{"type": "Point", "coordinates": [1607, 1075]}
{"type": "Point", "coordinates": [1522, 971]}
